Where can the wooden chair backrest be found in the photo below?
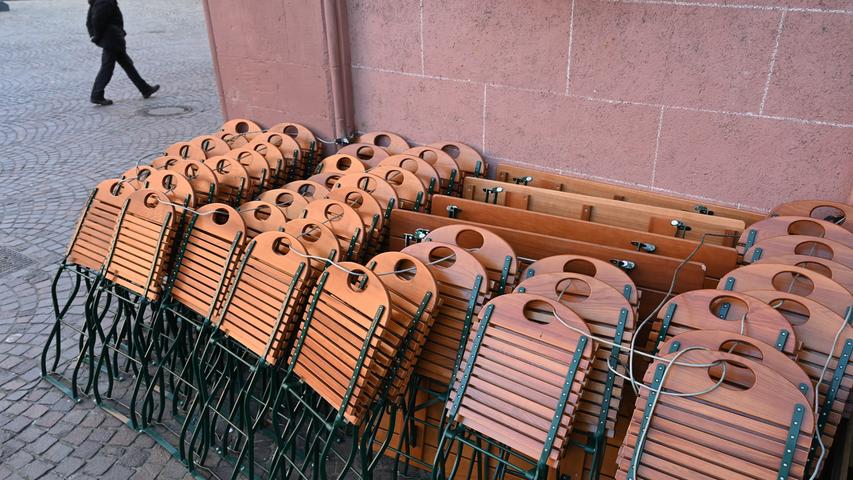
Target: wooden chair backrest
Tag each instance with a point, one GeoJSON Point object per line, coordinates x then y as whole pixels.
{"type": "Point", "coordinates": [599, 269]}
{"type": "Point", "coordinates": [422, 169]}
{"type": "Point", "coordinates": [791, 279]}
{"type": "Point", "coordinates": [265, 304]}
{"type": "Point", "coordinates": [187, 151]}
{"type": "Point", "coordinates": [260, 216]}
{"type": "Point", "coordinates": [456, 279]}
{"type": "Point", "coordinates": [469, 160]}
{"type": "Point", "coordinates": [368, 208]}
{"type": "Point", "coordinates": [408, 187]}
{"type": "Point", "coordinates": [256, 165]}
{"type": "Point", "coordinates": [211, 145]}
{"type": "Point", "coordinates": [199, 174]}
{"type": "Point", "coordinates": [136, 176]}
{"type": "Point", "coordinates": [96, 226]}
{"type": "Point", "coordinates": [724, 433]}
{"type": "Point", "coordinates": [275, 160]}
{"type": "Point", "coordinates": [318, 240]}
{"type": "Point", "coordinates": [341, 219]}
{"type": "Point", "coordinates": [340, 321]}
{"type": "Point", "coordinates": [801, 245]}
{"type": "Point", "coordinates": [747, 347]}
{"type": "Point", "coordinates": [369, 154]}
{"type": "Point", "coordinates": [303, 136]}
{"type": "Point", "coordinates": [724, 310]}
{"type": "Point", "coordinates": [489, 249]}
{"type": "Point", "coordinates": [173, 184]}
{"type": "Point", "coordinates": [792, 225]}
{"type": "Point", "coordinates": [139, 258]}
{"type": "Point", "coordinates": [290, 202]}
{"type": "Point", "coordinates": [310, 190]}
{"type": "Point", "coordinates": [391, 142]}
{"type": "Point", "coordinates": [286, 145]}
{"type": "Point", "coordinates": [381, 190]}
{"type": "Point", "coordinates": [443, 163]}
{"type": "Point", "coordinates": [235, 183]}
{"type": "Point", "coordinates": [342, 163]}
{"type": "Point", "coordinates": [209, 257]}
{"type": "Point", "coordinates": [242, 127]}
{"type": "Point", "coordinates": [836, 271]}
{"type": "Point", "coordinates": [601, 307]}
{"type": "Point", "coordinates": [523, 334]}
{"type": "Point", "coordinates": [326, 179]}
{"type": "Point", "coordinates": [821, 209]}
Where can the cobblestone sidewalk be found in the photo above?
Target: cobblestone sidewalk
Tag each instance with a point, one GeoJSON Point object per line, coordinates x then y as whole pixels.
{"type": "Point", "coordinates": [54, 147]}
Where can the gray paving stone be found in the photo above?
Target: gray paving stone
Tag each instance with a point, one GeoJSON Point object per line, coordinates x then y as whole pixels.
{"type": "Point", "coordinates": [98, 465]}
{"type": "Point", "coordinates": [68, 466]}
{"type": "Point", "coordinates": [36, 469]}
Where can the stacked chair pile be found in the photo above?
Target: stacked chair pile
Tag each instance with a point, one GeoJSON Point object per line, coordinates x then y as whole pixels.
{"type": "Point", "coordinates": [276, 311]}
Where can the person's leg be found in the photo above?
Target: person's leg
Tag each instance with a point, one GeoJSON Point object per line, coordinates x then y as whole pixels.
{"type": "Point", "coordinates": [126, 63]}
{"type": "Point", "coordinates": [108, 64]}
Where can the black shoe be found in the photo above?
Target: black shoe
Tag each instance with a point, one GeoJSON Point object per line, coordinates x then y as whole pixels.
{"type": "Point", "coordinates": [102, 101]}
{"type": "Point", "coordinates": [151, 91]}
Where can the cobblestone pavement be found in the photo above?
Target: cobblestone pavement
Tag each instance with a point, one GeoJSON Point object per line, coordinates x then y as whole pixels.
{"type": "Point", "coordinates": [54, 147]}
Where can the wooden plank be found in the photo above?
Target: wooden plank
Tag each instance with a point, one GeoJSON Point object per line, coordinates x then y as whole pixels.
{"type": "Point", "coordinates": [718, 259]}
{"type": "Point", "coordinates": [566, 183]}
{"type": "Point", "coordinates": [607, 211]}
{"type": "Point", "coordinates": [652, 272]}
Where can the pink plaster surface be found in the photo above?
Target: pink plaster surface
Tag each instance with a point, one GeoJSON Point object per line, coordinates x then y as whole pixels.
{"type": "Point", "coordinates": [813, 77]}
{"type": "Point", "coordinates": [495, 71]}
{"type": "Point", "coordinates": [386, 34]}
{"type": "Point", "coordinates": [753, 161]}
{"type": "Point", "coordinates": [688, 56]}
{"type": "Point", "coordinates": [509, 42]}
{"type": "Point", "coordinates": [558, 132]}
{"type": "Point", "coordinates": [422, 110]}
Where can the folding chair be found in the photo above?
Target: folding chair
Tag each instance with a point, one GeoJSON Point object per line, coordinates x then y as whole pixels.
{"type": "Point", "coordinates": [174, 184]}
{"type": "Point", "coordinates": [318, 240]}
{"type": "Point", "coordinates": [716, 431]}
{"type": "Point", "coordinates": [85, 258]}
{"type": "Point", "coordinates": [341, 163]}
{"type": "Point", "coordinates": [291, 203]}
{"type": "Point", "coordinates": [204, 266]}
{"type": "Point", "coordinates": [816, 327]}
{"type": "Point", "coordinates": [252, 332]}
{"type": "Point", "coordinates": [310, 147]}
{"type": "Point", "coordinates": [608, 315]}
{"type": "Point", "coordinates": [377, 188]}
{"type": "Point", "coordinates": [261, 216]}
{"type": "Point", "coordinates": [518, 387]}
{"type": "Point", "coordinates": [493, 252]}
{"type": "Point", "coordinates": [723, 310]}
{"type": "Point", "coordinates": [335, 372]}
{"type": "Point", "coordinates": [801, 245]}
{"type": "Point", "coordinates": [275, 161]}
{"type": "Point", "coordinates": [414, 301]}
{"type": "Point", "coordinates": [211, 145]}
{"type": "Point", "coordinates": [326, 179]}
{"type": "Point", "coordinates": [796, 280]}
{"type": "Point", "coordinates": [136, 176]}
{"type": "Point", "coordinates": [135, 273]}
{"type": "Point", "coordinates": [187, 151]}
{"type": "Point", "coordinates": [241, 128]}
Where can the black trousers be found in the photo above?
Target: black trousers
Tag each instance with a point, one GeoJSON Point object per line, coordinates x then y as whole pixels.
{"type": "Point", "coordinates": [108, 63]}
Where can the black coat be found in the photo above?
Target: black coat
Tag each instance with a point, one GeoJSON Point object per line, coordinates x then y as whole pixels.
{"type": "Point", "coordinates": [105, 24]}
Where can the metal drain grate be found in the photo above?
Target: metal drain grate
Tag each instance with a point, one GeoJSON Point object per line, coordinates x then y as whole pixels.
{"type": "Point", "coordinates": [11, 261]}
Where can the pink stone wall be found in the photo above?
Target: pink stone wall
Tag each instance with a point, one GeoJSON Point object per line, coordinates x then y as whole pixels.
{"type": "Point", "coordinates": [746, 103]}
{"type": "Point", "coordinates": [743, 102]}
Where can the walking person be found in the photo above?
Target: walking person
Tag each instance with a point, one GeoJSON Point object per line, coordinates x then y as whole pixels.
{"type": "Point", "coordinates": [106, 30]}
